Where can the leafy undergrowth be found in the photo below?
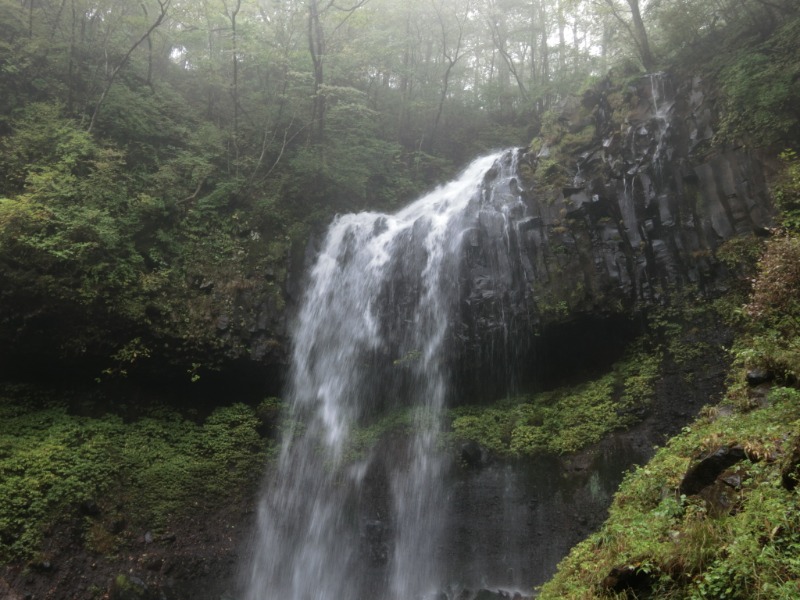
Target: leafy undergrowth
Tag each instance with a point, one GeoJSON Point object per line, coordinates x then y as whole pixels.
{"type": "Point", "coordinates": [659, 543]}
{"type": "Point", "coordinates": [772, 342]}
{"type": "Point", "coordinates": [112, 476]}
{"type": "Point", "coordinates": [565, 419]}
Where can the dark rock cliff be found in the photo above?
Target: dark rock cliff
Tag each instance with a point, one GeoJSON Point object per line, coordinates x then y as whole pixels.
{"type": "Point", "coordinates": [623, 200]}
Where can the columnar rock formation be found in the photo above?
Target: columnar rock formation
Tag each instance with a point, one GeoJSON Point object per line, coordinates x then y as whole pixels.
{"type": "Point", "coordinates": [622, 201]}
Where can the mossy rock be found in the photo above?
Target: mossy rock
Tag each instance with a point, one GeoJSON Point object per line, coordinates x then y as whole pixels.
{"type": "Point", "coordinates": [129, 587]}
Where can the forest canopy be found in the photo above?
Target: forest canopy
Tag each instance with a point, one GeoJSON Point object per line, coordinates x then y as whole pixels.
{"type": "Point", "coordinates": [151, 150]}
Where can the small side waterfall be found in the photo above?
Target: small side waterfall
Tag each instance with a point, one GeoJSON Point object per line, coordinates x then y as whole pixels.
{"type": "Point", "coordinates": [372, 335]}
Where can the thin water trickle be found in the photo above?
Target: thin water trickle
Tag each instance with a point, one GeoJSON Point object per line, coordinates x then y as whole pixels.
{"type": "Point", "coordinates": [662, 107]}
{"type": "Point", "coordinates": [370, 337]}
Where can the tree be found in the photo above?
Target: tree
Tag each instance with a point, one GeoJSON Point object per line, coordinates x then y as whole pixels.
{"type": "Point", "coordinates": [163, 6]}
{"type": "Point", "coordinates": [232, 11]}
{"type": "Point", "coordinates": [317, 49]}
{"type": "Point", "coordinates": [512, 62]}
{"type": "Point", "coordinates": [452, 53]}
{"type": "Point", "coordinates": [635, 27]}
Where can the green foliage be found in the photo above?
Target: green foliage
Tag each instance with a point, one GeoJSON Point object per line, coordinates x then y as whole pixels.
{"type": "Point", "coordinates": [759, 91]}
{"type": "Point", "coordinates": [565, 419]}
{"type": "Point", "coordinates": [680, 24]}
{"type": "Point", "coordinates": [153, 469]}
{"type": "Point", "coordinates": [50, 463]}
{"type": "Point", "coordinates": [68, 235]}
{"type": "Point", "coordinates": [690, 550]}
{"type": "Point", "coordinates": [43, 139]}
{"type": "Point", "coordinates": [773, 342]}
{"type": "Point", "coordinates": [409, 357]}
{"type": "Point", "coordinates": [175, 464]}
{"type": "Point", "coordinates": [113, 253]}
{"type": "Point", "coordinates": [787, 191]}
{"type": "Point", "coordinates": [740, 254]}
{"type": "Point", "coordinates": [149, 123]}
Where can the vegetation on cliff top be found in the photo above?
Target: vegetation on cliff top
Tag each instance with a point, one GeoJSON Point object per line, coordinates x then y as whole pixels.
{"type": "Point", "coordinates": [164, 163]}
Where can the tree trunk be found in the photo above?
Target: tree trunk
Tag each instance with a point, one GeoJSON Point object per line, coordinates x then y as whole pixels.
{"type": "Point", "coordinates": [71, 60]}
{"type": "Point", "coordinates": [316, 47]}
{"type": "Point", "coordinates": [640, 36]}
{"type": "Point", "coordinates": [232, 14]}
{"type": "Point", "coordinates": [164, 6]}
{"type": "Point", "coordinates": [562, 42]}
{"type": "Point", "coordinates": [403, 118]}
{"type": "Point", "coordinates": [545, 54]}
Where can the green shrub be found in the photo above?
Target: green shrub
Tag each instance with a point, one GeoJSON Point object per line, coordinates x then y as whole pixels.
{"type": "Point", "coordinates": [773, 342]}
{"type": "Point", "coordinates": [787, 191]}
{"type": "Point", "coordinates": [759, 88]}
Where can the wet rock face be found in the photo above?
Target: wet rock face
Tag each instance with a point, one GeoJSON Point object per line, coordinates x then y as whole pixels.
{"type": "Point", "coordinates": [626, 204]}
{"type": "Point", "coordinates": [648, 203]}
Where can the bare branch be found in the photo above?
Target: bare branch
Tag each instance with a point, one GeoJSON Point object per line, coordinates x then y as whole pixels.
{"type": "Point", "coordinates": [163, 7]}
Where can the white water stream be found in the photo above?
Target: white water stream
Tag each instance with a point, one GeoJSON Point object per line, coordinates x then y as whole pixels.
{"type": "Point", "coordinates": [379, 301]}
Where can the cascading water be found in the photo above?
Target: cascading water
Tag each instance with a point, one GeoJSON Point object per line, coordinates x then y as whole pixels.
{"type": "Point", "coordinates": [372, 335]}
{"type": "Point", "coordinates": [662, 107]}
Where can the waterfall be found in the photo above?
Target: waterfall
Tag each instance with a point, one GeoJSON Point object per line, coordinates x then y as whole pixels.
{"type": "Point", "coordinates": [372, 335]}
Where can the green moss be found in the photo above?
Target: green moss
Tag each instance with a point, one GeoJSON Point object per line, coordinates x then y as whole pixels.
{"type": "Point", "coordinates": [573, 143]}
{"type": "Point", "coordinates": [552, 174]}
{"type": "Point", "coordinates": [149, 471]}
{"type": "Point", "coordinates": [565, 419]}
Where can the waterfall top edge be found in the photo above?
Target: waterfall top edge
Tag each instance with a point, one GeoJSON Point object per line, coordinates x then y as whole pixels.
{"type": "Point", "coordinates": [453, 188]}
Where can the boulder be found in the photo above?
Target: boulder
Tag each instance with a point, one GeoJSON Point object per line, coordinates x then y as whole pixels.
{"type": "Point", "coordinates": [127, 587]}
{"type": "Point", "coordinates": [709, 467]}
{"type": "Point", "coordinates": [628, 578]}
{"type": "Point", "coordinates": [474, 455]}
{"type": "Point", "coordinates": [790, 470]}
{"type": "Point", "coordinates": [756, 377]}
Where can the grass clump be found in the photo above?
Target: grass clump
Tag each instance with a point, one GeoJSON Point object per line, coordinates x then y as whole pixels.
{"type": "Point", "coordinates": [363, 438]}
